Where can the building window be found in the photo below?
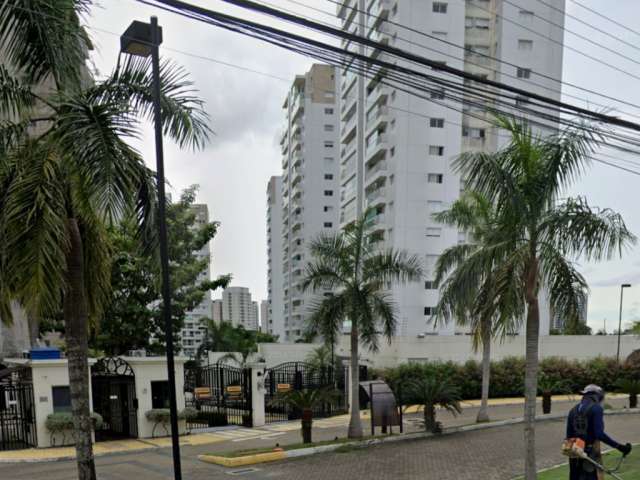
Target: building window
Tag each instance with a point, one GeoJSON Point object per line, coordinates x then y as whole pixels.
{"type": "Point", "coordinates": [525, 45]}
{"type": "Point", "coordinates": [526, 15]}
{"type": "Point", "coordinates": [440, 35]}
{"type": "Point", "coordinates": [328, 193]}
{"type": "Point", "coordinates": [435, 178]}
{"type": "Point", "coordinates": [437, 94]}
{"type": "Point", "coordinates": [328, 208]}
{"type": "Point", "coordinates": [429, 285]}
{"type": "Point", "coordinates": [328, 144]}
{"type": "Point", "coordinates": [434, 232]}
{"type": "Point", "coordinates": [160, 394]}
{"type": "Point", "coordinates": [524, 73]}
{"type": "Point", "coordinates": [328, 176]}
{"type": "Point", "coordinates": [328, 111]}
{"type": "Point", "coordinates": [393, 96]}
{"type": "Point", "coordinates": [439, 7]}
{"type": "Point", "coordinates": [437, 150]}
{"type": "Point", "coordinates": [392, 151]}
{"type": "Point", "coordinates": [436, 122]}
{"type": "Point", "coordinates": [434, 206]}
{"type": "Point", "coordinates": [428, 311]}
{"type": "Point", "coordinates": [473, 132]}
{"type": "Point", "coordinates": [329, 128]}
{"type": "Point", "coordinates": [61, 397]}
{"type": "Point", "coordinates": [328, 225]}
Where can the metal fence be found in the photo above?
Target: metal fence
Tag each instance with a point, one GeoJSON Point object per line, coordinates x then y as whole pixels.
{"type": "Point", "coordinates": [302, 376]}
{"type": "Point", "coordinates": [221, 395]}
{"type": "Point", "coordinates": [17, 413]}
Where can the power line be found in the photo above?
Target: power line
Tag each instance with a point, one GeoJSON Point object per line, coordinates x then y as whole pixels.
{"type": "Point", "coordinates": [615, 22]}
{"type": "Point", "coordinates": [597, 29]}
{"type": "Point", "coordinates": [504, 62]}
{"type": "Point", "coordinates": [579, 35]}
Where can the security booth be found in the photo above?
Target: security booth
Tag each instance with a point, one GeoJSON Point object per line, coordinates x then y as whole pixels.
{"type": "Point", "coordinates": [121, 390]}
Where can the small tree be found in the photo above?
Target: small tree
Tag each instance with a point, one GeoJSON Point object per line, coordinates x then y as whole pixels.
{"type": "Point", "coordinates": [305, 401]}
{"type": "Point", "coordinates": [433, 391]}
{"type": "Point", "coordinates": [548, 386]}
{"type": "Point", "coordinates": [358, 272]}
{"type": "Point", "coordinates": [632, 388]}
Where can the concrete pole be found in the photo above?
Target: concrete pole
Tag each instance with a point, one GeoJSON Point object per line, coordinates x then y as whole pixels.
{"type": "Point", "coordinates": [257, 393]}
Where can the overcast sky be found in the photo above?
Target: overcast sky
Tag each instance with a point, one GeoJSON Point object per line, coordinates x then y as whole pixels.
{"type": "Point", "coordinates": [245, 110]}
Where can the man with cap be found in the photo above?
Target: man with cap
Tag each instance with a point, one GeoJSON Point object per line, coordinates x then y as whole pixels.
{"type": "Point", "coordinates": [586, 421]}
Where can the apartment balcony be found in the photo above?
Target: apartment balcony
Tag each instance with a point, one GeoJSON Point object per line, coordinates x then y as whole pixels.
{"type": "Point", "coordinates": [347, 84]}
{"type": "Point", "coordinates": [378, 94]}
{"type": "Point", "coordinates": [378, 222]}
{"type": "Point", "coordinates": [376, 197]}
{"type": "Point", "coordinates": [376, 145]}
{"type": "Point", "coordinates": [347, 151]}
{"type": "Point", "coordinates": [377, 116]}
{"type": "Point", "coordinates": [296, 159]}
{"type": "Point", "coordinates": [296, 142]}
{"type": "Point", "coordinates": [297, 108]}
{"type": "Point", "coordinates": [380, 9]}
{"type": "Point", "coordinates": [381, 33]}
{"type": "Point", "coordinates": [348, 170]}
{"type": "Point", "coordinates": [296, 176]}
{"type": "Point", "coordinates": [349, 129]}
{"type": "Point", "coordinates": [378, 171]}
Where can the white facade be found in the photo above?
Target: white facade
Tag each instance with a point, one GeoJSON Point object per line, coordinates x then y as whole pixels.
{"type": "Point", "coordinates": [194, 328]}
{"type": "Point", "coordinates": [264, 315]}
{"type": "Point", "coordinates": [14, 337]}
{"type": "Point", "coordinates": [274, 323]}
{"type": "Point", "coordinates": [310, 186]}
{"type": "Point", "coordinates": [216, 314]}
{"type": "Point", "coordinates": [239, 309]}
{"type": "Point", "coordinates": [397, 149]}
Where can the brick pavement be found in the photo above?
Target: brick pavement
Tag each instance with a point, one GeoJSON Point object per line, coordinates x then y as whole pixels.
{"type": "Point", "coordinates": [487, 454]}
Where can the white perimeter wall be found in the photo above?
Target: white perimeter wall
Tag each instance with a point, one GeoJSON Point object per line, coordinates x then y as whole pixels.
{"type": "Point", "coordinates": [457, 349]}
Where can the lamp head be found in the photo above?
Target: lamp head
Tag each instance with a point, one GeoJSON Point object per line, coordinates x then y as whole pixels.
{"type": "Point", "coordinates": [137, 39]}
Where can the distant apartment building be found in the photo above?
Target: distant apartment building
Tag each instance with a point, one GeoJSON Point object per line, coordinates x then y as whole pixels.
{"type": "Point", "coordinates": [194, 328]}
{"type": "Point", "coordinates": [275, 276]}
{"type": "Point", "coordinates": [396, 149]}
{"type": "Point", "coordinates": [264, 315]}
{"type": "Point", "coordinates": [239, 309]}
{"type": "Point", "coordinates": [216, 314]}
{"type": "Point", "coordinates": [309, 193]}
{"type": "Point", "coordinates": [558, 322]}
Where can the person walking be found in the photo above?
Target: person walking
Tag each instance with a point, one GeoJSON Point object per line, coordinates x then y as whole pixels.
{"type": "Point", "coordinates": [586, 422]}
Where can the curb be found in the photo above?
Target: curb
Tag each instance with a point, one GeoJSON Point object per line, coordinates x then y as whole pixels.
{"type": "Point", "coordinates": [304, 452]}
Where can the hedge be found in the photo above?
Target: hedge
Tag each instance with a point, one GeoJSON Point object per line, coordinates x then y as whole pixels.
{"type": "Point", "coordinates": [507, 375]}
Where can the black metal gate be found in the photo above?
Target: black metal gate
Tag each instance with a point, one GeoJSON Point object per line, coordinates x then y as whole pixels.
{"type": "Point", "coordinates": [301, 376]}
{"type": "Point", "coordinates": [114, 398]}
{"type": "Point", "coordinates": [17, 409]}
{"type": "Point", "coordinates": [221, 394]}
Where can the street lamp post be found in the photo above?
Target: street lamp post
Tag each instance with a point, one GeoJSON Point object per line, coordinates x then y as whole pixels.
{"type": "Point", "coordinates": [622, 287]}
{"type": "Point", "coordinates": [143, 39]}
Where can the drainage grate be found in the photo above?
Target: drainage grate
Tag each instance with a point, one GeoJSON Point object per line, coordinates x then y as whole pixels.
{"type": "Point", "coordinates": [243, 471]}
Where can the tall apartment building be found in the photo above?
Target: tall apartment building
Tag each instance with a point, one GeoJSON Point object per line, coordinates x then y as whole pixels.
{"type": "Point", "coordinates": [310, 187]}
{"type": "Point", "coordinates": [264, 316]}
{"type": "Point", "coordinates": [273, 323]}
{"type": "Point", "coordinates": [239, 309]}
{"type": "Point", "coordinates": [397, 149]}
{"type": "Point", "coordinates": [216, 311]}
{"type": "Point", "coordinates": [194, 329]}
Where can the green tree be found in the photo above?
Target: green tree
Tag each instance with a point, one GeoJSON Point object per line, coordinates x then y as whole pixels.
{"type": "Point", "coordinates": [350, 264]}
{"type": "Point", "coordinates": [66, 170]}
{"type": "Point", "coordinates": [432, 391]}
{"type": "Point", "coordinates": [467, 294]}
{"type": "Point", "coordinates": [536, 234]}
{"type": "Point", "coordinates": [305, 401]}
{"type": "Point", "coordinates": [239, 342]}
{"type": "Point", "coordinates": [133, 316]}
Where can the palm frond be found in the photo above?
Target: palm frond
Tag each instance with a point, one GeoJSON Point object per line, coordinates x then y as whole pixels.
{"type": "Point", "coordinates": [44, 38]}
{"type": "Point", "coordinates": [97, 253]}
{"type": "Point", "coordinates": [392, 266]}
{"type": "Point", "coordinates": [34, 220]}
{"type": "Point", "coordinates": [328, 314]}
{"type": "Point", "coordinates": [16, 97]}
{"type": "Point", "coordinates": [183, 116]}
{"type": "Point", "coordinates": [577, 229]}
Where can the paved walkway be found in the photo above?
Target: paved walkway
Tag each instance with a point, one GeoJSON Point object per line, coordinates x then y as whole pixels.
{"type": "Point", "coordinates": [222, 440]}
{"type": "Point", "coordinates": [487, 454]}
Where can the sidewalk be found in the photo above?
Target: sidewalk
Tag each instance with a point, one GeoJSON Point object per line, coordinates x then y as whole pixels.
{"type": "Point", "coordinates": [236, 436]}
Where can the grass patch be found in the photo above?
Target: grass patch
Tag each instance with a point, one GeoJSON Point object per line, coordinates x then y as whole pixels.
{"type": "Point", "coordinates": [630, 469]}
{"type": "Point", "coordinates": [294, 446]}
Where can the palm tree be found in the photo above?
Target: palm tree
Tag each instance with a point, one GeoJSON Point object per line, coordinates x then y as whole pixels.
{"type": "Point", "coordinates": [319, 358]}
{"type": "Point", "coordinates": [358, 272]}
{"type": "Point", "coordinates": [305, 401]}
{"type": "Point", "coordinates": [66, 172]}
{"type": "Point", "coordinates": [466, 294]}
{"type": "Point", "coordinates": [631, 387]}
{"type": "Point", "coordinates": [535, 234]}
{"type": "Point", "coordinates": [432, 391]}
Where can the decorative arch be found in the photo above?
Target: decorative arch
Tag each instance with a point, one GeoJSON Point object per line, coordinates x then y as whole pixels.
{"type": "Point", "coordinates": [112, 367]}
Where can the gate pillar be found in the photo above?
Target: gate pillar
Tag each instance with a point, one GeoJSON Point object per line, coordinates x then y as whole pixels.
{"type": "Point", "coordinates": [257, 393]}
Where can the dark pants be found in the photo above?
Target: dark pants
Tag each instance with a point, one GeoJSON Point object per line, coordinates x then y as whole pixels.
{"type": "Point", "coordinates": [583, 470]}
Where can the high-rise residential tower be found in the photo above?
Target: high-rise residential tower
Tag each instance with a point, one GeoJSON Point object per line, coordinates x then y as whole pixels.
{"type": "Point", "coordinates": [239, 309]}
{"type": "Point", "coordinates": [396, 149]}
{"type": "Point", "coordinates": [310, 190]}
{"type": "Point", "coordinates": [274, 323]}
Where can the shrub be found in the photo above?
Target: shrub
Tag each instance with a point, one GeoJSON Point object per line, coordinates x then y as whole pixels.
{"type": "Point", "coordinates": [62, 423]}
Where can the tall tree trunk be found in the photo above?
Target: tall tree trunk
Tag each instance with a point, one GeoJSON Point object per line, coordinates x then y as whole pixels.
{"type": "Point", "coordinates": [531, 370]}
{"type": "Point", "coordinates": [430, 424]}
{"type": "Point", "coordinates": [483, 413]}
{"type": "Point", "coordinates": [355, 426]}
{"type": "Point", "coordinates": [76, 318]}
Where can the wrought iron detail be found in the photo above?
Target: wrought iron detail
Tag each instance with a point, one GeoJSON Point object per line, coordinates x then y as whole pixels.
{"type": "Point", "coordinates": [112, 367]}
